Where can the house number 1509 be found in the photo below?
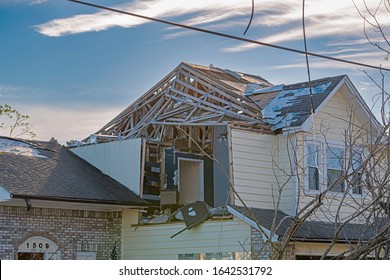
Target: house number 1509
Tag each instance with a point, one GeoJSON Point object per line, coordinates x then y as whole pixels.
{"type": "Point", "coordinates": [38, 245]}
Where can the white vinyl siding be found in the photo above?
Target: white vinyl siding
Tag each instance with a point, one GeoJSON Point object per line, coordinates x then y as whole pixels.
{"type": "Point", "coordinates": [120, 160]}
{"type": "Point", "coordinates": [255, 169]}
{"type": "Point", "coordinates": [154, 242]}
{"type": "Point", "coordinates": [330, 126]}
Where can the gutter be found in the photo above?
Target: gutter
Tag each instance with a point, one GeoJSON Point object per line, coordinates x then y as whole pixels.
{"type": "Point", "coordinates": [78, 200]}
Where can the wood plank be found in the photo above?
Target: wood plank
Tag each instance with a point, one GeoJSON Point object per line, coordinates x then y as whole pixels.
{"type": "Point", "coordinates": [231, 102]}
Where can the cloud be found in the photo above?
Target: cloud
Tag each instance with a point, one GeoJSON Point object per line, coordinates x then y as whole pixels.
{"type": "Point", "coordinates": [66, 123]}
{"type": "Point", "coordinates": [371, 58]}
{"type": "Point", "coordinates": [15, 92]}
{"type": "Point", "coordinates": [206, 12]}
{"type": "Point", "coordinates": [278, 21]}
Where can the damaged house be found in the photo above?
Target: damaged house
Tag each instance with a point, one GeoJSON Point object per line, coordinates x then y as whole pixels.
{"type": "Point", "coordinates": [223, 157]}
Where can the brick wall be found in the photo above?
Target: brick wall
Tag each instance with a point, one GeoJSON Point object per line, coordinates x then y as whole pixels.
{"type": "Point", "coordinates": [259, 249]}
{"type": "Point", "coordinates": [72, 230]}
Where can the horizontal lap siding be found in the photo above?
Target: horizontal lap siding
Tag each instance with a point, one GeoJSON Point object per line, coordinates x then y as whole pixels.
{"type": "Point", "coordinates": [254, 170]}
{"type": "Point", "coordinates": [331, 124]}
{"type": "Point", "coordinates": [154, 242]}
{"type": "Point", "coordinates": [332, 121]}
{"type": "Point", "coordinates": [285, 172]}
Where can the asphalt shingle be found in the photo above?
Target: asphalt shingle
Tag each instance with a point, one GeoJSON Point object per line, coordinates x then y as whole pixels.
{"type": "Point", "coordinates": [56, 173]}
{"type": "Point", "coordinates": [309, 230]}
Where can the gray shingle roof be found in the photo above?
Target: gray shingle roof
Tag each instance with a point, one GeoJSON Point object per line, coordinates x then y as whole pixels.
{"type": "Point", "coordinates": [309, 230]}
{"type": "Point", "coordinates": [290, 106]}
{"type": "Point", "coordinates": [50, 171]}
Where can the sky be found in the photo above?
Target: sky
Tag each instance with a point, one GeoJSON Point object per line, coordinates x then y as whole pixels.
{"type": "Point", "coordinates": [73, 68]}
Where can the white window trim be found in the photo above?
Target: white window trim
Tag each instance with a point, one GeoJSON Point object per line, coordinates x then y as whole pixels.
{"type": "Point", "coordinates": [337, 145]}
{"type": "Point", "coordinates": [322, 165]}
{"type": "Point", "coordinates": [306, 167]}
{"type": "Point", "coordinates": [364, 190]}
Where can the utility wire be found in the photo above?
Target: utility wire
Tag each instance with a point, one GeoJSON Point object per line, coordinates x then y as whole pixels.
{"type": "Point", "coordinates": [250, 21]}
{"type": "Point", "coordinates": [229, 36]}
{"type": "Point", "coordinates": [307, 57]}
{"type": "Point", "coordinates": [312, 108]}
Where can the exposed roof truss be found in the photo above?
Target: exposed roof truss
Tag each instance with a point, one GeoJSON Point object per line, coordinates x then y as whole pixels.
{"type": "Point", "coordinates": [190, 96]}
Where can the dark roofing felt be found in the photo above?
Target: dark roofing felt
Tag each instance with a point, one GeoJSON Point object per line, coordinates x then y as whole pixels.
{"type": "Point", "coordinates": [58, 174]}
{"type": "Point", "coordinates": [309, 230]}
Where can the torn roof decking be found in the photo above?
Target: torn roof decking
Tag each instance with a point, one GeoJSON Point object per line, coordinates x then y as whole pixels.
{"type": "Point", "coordinates": [191, 95]}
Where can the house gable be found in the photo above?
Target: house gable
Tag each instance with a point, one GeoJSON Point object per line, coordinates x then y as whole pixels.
{"type": "Point", "coordinates": [347, 104]}
{"type": "Point", "coordinates": [342, 123]}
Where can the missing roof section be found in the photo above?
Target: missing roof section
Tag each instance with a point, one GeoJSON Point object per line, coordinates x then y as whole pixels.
{"type": "Point", "coordinates": [278, 114]}
{"type": "Point", "coordinates": [18, 147]}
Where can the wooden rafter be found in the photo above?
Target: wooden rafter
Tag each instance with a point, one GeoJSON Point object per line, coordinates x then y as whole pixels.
{"type": "Point", "coordinates": [189, 97]}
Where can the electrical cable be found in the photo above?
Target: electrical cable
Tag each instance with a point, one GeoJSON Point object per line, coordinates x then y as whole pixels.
{"type": "Point", "coordinates": [312, 108]}
{"type": "Point", "coordinates": [229, 36]}
{"type": "Point", "coordinates": [307, 57]}
{"type": "Point", "coordinates": [250, 21]}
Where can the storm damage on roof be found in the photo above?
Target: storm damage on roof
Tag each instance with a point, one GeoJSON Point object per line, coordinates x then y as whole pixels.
{"type": "Point", "coordinates": [291, 105]}
{"type": "Point", "coordinates": [17, 147]}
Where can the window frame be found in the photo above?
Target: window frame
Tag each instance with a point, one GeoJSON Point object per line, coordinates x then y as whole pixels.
{"type": "Point", "coordinates": [360, 151]}
{"type": "Point", "coordinates": [330, 146]}
{"type": "Point", "coordinates": [324, 145]}
{"type": "Point", "coordinates": [318, 144]}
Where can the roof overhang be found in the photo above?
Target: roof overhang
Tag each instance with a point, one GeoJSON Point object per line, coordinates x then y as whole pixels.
{"type": "Point", "coordinates": [265, 233]}
{"type": "Point", "coordinates": [66, 204]}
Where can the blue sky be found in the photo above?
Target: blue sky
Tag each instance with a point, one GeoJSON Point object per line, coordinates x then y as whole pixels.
{"type": "Point", "coordinates": [72, 68]}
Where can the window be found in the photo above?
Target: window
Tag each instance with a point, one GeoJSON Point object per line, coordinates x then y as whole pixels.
{"type": "Point", "coordinates": [313, 161]}
{"type": "Point", "coordinates": [331, 166]}
{"type": "Point", "coordinates": [334, 168]}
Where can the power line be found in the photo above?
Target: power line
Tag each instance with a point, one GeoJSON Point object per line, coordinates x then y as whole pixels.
{"type": "Point", "coordinates": [250, 20]}
{"type": "Point", "coordinates": [230, 36]}
{"type": "Point", "coordinates": [306, 56]}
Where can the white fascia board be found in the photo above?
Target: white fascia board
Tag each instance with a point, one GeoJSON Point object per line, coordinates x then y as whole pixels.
{"type": "Point", "coordinates": [4, 195]}
{"type": "Point", "coordinates": [253, 224]}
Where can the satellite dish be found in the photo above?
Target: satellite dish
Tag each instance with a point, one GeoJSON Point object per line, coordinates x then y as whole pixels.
{"type": "Point", "coordinates": [194, 214]}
